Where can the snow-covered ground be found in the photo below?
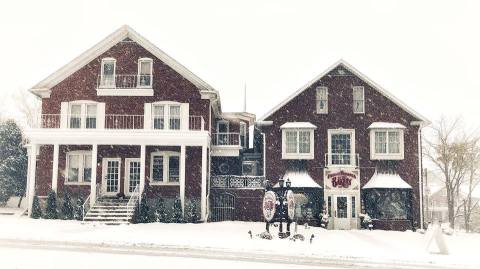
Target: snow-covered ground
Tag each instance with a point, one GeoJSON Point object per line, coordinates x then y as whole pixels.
{"type": "Point", "coordinates": [355, 245]}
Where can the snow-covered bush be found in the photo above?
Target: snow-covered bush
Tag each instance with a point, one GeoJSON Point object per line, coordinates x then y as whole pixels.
{"type": "Point", "coordinates": [78, 211]}
{"type": "Point", "coordinates": [36, 209]}
{"type": "Point", "coordinates": [191, 213]}
{"type": "Point", "coordinates": [67, 207]}
{"type": "Point", "coordinates": [177, 211]}
{"type": "Point", "coordinates": [160, 211]}
{"type": "Point", "coordinates": [51, 209]}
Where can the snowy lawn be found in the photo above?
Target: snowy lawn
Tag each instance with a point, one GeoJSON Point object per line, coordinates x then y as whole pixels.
{"type": "Point", "coordinates": [380, 246]}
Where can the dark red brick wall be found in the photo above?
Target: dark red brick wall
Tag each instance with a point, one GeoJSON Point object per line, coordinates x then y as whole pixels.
{"type": "Point", "coordinates": [168, 85]}
{"type": "Point", "coordinates": [340, 115]}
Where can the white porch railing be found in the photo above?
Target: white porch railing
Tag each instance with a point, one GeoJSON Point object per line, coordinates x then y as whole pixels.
{"type": "Point", "coordinates": [226, 139]}
{"type": "Point", "coordinates": [238, 182]}
{"type": "Point", "coordinates": [134, 198]}
{"type": "Point", "coordinates": [196, 123]}
{"type": "Point", "coordinates": [124, 81]}
{"type": "Point", "coordinates": [113, 121]}
{"type": "Point", "coordinates": [86, 204]}
{"type": "Point", "coordinates": [342, 159]}
{"type": "Point", "coordinates": [45, 121]}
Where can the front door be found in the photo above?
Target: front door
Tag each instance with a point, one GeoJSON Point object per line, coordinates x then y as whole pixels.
{"type": "Point", "coordinates": [341, 214]}
{"type": "Point", "coordinates": [111, 176]}
{"type": "Point", "coordinates": [132, 175]}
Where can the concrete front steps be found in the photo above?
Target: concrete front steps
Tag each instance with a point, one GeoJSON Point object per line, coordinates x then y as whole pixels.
{"type": "Point", "coordinates": [110, 212]}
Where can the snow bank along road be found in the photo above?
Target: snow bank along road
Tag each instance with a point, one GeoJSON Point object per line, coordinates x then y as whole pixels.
{"type": "Point", "coordinates": [230, 240]}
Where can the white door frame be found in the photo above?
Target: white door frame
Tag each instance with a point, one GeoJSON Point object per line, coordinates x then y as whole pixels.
{"type": "Point", "coordinates": [126, 180]}
{"type": "Point", "coordinates": [342, 223]}
{"type": "Point", "coordinates": [104, 176]}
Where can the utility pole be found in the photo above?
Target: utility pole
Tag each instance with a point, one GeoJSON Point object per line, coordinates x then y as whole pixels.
{"type": "Point", "coordinates": [426, 193]}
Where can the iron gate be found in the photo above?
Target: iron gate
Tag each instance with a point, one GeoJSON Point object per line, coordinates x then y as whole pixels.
{"type": "Point", "coordinates": [223, 207]}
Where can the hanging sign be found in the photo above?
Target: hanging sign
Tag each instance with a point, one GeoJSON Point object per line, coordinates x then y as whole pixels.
{"type": "Point", "coordinates": [290, 204]}
{"type": "Point", "coordinates": [268, 205]}
{"type": "Point", "coordinates": [341, 179]}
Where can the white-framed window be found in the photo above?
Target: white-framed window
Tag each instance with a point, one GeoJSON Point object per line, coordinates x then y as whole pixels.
{"type": "Point", "coordinates": [341, 147]}
{"type": "Point", "coordinates": [82, 115]}
{"type": "Point", "coordinates": [386, 144]}
{"type": "Point", "coordinates": [223, 136]}
{"type": "Point", "coordinates": [297, 143]}
{"type": "Point", "coordinates": [243, 134]}
{"type": "Point", "coordinates": [358, 99]}
{"type": "Point", "coordinates": [78, 167]}
{"type": "Point", "coordinates": [145, 71]}
{"type": "Point", "coordinates": [322, 100]}
{"type": "Point", "coordinates": [166, 116]}
{"type": "Point", "coordinates": [165, 168]}
{"type": "Point", "coordinates": [107, 75]}
{"type": "Point", "coordinates": [249, 168]}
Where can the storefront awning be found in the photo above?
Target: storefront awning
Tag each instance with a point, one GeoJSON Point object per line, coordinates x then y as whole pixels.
{"type": "Point", "coordinates": [300, 179]}
{"type": "Point", "coordinates": [386, 181]}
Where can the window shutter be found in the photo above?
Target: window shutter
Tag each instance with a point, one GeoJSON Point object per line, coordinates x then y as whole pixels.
{"type": "Point", "coordinates": [100, 115]}
{"type": "Point", "coordinates": [185, 116]}
{"type": "Point", "coordinates": [64, 115]}
{"type": "Point", "coordinates": [147, 116]}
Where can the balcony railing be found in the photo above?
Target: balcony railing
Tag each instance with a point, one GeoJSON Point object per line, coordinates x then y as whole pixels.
{"type": "Point", "coordinates": [112, 121]}
{"type": "Point", "coordinates": [341, 159]}
{"type": "Point", "coordinates": [238, 182]}
{"type": "Point", "coordinates": [123, 121]}
{"type": "Point", "coordinates": [226, 139]}
{"type": "Point", "coordinates": [124, 81]}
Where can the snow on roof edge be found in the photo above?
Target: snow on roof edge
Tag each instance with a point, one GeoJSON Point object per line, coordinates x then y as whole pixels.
{"type": "Point", "coordinates": [386, 181]}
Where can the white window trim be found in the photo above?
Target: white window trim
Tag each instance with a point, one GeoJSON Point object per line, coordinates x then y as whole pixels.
{"type": "Point", "coordinates": [298, 156]}
{"type": "Point", "coordinates": [126, 183]}
{"type": "Point", "coordinates": [114, 67]}
{"type": "Point", "coordinates": [325, 110]}
{"type": "Point", "coordinates": [223, 121]}
{"type": "Point", "coordinates": [80, 181]}
{"type": "Point", "coordinates": [166, 115]}
{"type": "Point", "coordinates": [352, 145]}
{"type": "Point", "coordinates": [245, 134]}
{"type": "Point", "coordinates": [386, 156]}
{"type": "Point", "coordinates": [140, 61]}
{"type": "Point", "coordinates": [363, 98]}
{"type": "Point", "coordinates": [166, 156]}
{"type": "Point", "coordinates": [83, 113]}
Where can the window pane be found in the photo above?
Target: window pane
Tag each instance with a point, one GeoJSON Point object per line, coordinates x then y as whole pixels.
{"type": "Point", "coordinates": [243, 132]}
{"type": "Point", "coordinates": [87, 168]}
{"type": "Point", "coordinates": [91, 119]}
{"type": "Point", "coordinates": [340, 148]}
{"type": "Point", "coordinates": [354, 213]}
{"type": "Point", "coordinates": [73, 168]}
{"type": "Point", "coordinates": [322, 99]}
{"type": "Point", "coordinates": [157, 165]}
{"type": "Point", "coordinates": [145, 78]}
{"type": "Point", "coordinates": [304, 142]}
{"type": "Point", "coordinates": [173, 169]}
{"type": "Point", "coordinates": [291, 141]}
{"type": "Point", "coordinates": [393, 142]}
{"type": "Point", "coordinates": [175, 117]}
{"type": "Point", "coordinates": [358, 99]}
{"type": "Point", "coordinates": [158, 117]}
{"type": "Point", "coordinates": [75, 116]}
{"type": "Point", "coordinates": [108, 68]}
{"type": "Point", "coordinates": [380, 142]}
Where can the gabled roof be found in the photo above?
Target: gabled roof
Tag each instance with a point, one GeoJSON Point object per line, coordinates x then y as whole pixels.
{"type": "Point", "coordinates": [354, 71]}
{"type": "Point", "coordinates": [104, 45]}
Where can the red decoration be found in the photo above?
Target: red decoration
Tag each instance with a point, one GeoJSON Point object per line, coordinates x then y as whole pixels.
{"type": "Point", "coordinates": [341, 179]}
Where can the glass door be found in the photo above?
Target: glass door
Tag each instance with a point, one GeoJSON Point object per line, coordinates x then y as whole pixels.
{"type": "Point", "coordinates": [132, 175]}
{"type": "Point", "coordinates": [341, 212]}
{"type": "Point", "coordinates": [111, 176]}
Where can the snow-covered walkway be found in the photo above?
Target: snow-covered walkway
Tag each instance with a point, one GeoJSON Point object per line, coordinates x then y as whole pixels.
{"type": "Point", "coordinates": [383, 247]}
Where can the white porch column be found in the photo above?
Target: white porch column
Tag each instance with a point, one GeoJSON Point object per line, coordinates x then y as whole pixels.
{"type": "Point", "coordinates": [93, 180]}
{"type": "Point", "coordinates": [55, 167]}
{"type": "Point", "coordinates": [203, 199]}
{"type": "Point", "coordinates": [32, 166]}
{"type": "Point", "coordinates": [182, 178]}
{"type": "Point", "coordinates": [142, 168]}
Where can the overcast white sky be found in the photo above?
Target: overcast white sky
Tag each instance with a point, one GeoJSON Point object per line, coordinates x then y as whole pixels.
{"type": "Point", "coordinates": [424, 52]}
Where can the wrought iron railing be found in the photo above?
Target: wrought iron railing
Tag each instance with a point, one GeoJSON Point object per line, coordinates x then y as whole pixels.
{"type": "Point", "coordinates": [124, 81]}
{"type": "Point", "coordinates": [226, 139]}
{"type": "Point", "coordinates": [238, 182]}
{"type": "Point", "coordinates": [134, 199]}
{"type": "Point", "coordinates": [113, 121]}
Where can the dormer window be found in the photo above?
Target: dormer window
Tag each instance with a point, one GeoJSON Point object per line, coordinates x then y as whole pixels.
{"type": "Point", "coordinates": [107, 78]}
{"type": "Point", "coordinates": [145, 67]}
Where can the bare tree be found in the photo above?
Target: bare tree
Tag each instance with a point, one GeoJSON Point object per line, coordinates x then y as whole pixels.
{"type": "Point", "coordinates": [28, 104]}
{"type": "Point", "coordinates": [449, 149]}
{"type": "Point", "coordinates": [471, 182]}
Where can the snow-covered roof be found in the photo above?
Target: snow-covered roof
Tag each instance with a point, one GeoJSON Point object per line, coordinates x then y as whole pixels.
{"type": "Point", "coordinates": [300, 179]}
{"type": "Point", "coordinates": [386, 125]}
{"type": "Point", "coordinates": [361, 76]}
{"type": "Point", "coordinates": [299, 125]}
{"type": "Point", "coordinates": [386, 181]}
